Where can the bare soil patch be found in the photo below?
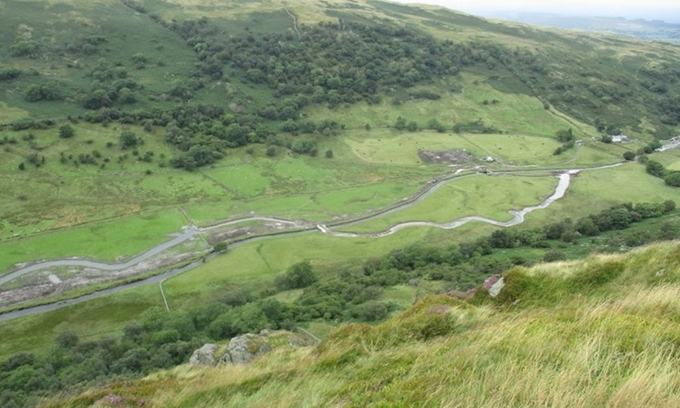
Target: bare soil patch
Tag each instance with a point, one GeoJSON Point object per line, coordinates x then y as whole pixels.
{"type": "Point", "coordinates": [457, 157]}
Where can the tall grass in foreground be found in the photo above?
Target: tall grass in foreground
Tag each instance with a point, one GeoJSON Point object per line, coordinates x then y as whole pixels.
{"type": "Point", "coordinates": [595, 333]}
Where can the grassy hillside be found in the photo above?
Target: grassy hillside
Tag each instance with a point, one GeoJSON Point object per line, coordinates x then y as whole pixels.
{"type": "Point", "coordinates": [597, 332]}
{"type": "Point", "coordinates": [221, 85]}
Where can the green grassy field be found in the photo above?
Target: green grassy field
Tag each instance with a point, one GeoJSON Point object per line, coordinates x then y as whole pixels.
{"type": "Point", "coordinates": [592, 191]}
{"type": "Point", "coordinates": [669, 158]}
{"type": "Point", "coordinates": [490, 197]}
{"type": "Point", "coordinates": [94, 319]}
{"type": "Point", "coordinates": [104, 241]}
{"type": "Point", "coordinates": [261, 261]}
{"type": "Point", "coordinates": [253, 265]}
{"type": "Point", "coordinates": [389, 147]}
{"type": "Point", "coordinates": [462, 101]}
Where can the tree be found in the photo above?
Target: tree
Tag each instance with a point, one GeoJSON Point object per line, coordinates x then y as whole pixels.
{"type": "Point", "coordinates": [297, 276]}
{"type": "Point", "coordinates": [371, 311]}
{"type": "Point", "coordinates": [565, 136]}
{"type": "Point", "coordinates": [606, 139]}
{"type": "Point", "coordinates": [126, 96]}
{"type": "Point", "coordinates": [329, 154]}
{"type": "Point", "coordinates": [22, 166]}
{"type": "Point", "coordinates": [271, 151]}
{"type": "Point", "coordinates": [436, 125]}
{"type": "Point", "coordinates": [98, 99]}
{"type": "Point", "coordinates": [652, 146]}
{"type": "Point", "coordinates": [501, 239]}
{"type": "Point", "coordinates": [66, 131]}
{"type": "Point", "coordinates": [586, 226]}
{"type": "Point", "coordinates": [673, 179]}
{"type": "Point", "coordinates": [9, 73]}
{"type": "Point", "coordinates": [569, 236]}
{"type": "Point", "coordinates": [128, 139]}
{"type": "Point", "coordinates": [649, 210]}
{"type": "Point", "coordinates": [304, 146]}
{"type": "Point", "coordinates": [669, 230]}
{"type": "Point", "coordinates": [67, 339]}
{"type": "Point", "coordinates": [655, 168]}
{"type": "Point", "coordinates": [23, 48]}
{"type": "Point", "coordinates": [140, 60]}
{"type": "Point", "coordinates": [668, 206]}
{"type": "Point", "coordinates": [629, 156]}
{"type": "Point", "coordinates": [614, 219]}
{"type": "Point", "coordinates": [555, 231]}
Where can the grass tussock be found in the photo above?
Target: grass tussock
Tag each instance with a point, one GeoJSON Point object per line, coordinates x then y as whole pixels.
{"type": "Point", "coordinates": [606, 335]}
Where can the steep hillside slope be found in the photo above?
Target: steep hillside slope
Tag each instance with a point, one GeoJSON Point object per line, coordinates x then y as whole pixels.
{"type": "Point", "coordinates": [597, 332]}
{"type": "Point", "coordinates": [139, 56]}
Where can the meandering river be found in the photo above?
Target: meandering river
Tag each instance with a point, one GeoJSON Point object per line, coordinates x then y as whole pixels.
{"type": "Point", "coordinates": [305, 228]}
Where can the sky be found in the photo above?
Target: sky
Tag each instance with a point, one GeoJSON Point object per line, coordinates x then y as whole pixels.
{"type": "Point", "coordinates": [667, 10]}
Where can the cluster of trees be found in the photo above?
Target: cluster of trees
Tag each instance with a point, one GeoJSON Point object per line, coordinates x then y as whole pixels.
{"type": "Point", "coordinates": [7, 74]}
{"type": "Point", "coordinates": [670, 108]}
{"type": "Point", "coordinates": [614, 218]}
{"type": "Point", "coordinates": [566, 137]}
{"type": "Point", "coordinates": [332, 63]}
{"type": "Point", "coordinates": [24, 48]}
{"type": "Point", "coordinates": [433, 124]}
{"type": "Point", "coordinates": [51, 91]}
{"type": "Point", "coordinates": [656, 169]}
{"type": "Point", "coordinates": [89, 45]}
{"type": "Point", "coordinates": [404, 124]}
{"type": "Point", "coordinates": [472, 254]}
{"type": "Point", "coordinates": [477, 126]}
{"type": "Point", "coordinates": [605, 128]}
{"type": "Point", "coordinates": [648, 149]}
{"type": "Point", "coordinates": [110, 84]}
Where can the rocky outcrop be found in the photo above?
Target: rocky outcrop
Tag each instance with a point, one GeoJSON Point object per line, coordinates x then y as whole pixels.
{"type": "Point", "coordinates": [244, 349]}
{"type": "Point", "coordinates": [497, 287]}
{"type": "Point", "coordinates": [494, 284]}
{"type": "Point", "coordinates": [205, 356]}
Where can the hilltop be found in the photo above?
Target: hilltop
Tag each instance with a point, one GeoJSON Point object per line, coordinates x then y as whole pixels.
{"type": "Point", "coordinates": [596, 332]}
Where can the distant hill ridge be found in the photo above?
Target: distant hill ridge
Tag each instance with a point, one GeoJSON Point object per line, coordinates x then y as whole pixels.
{"type": "Point", "coordinates": [640, 28]}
